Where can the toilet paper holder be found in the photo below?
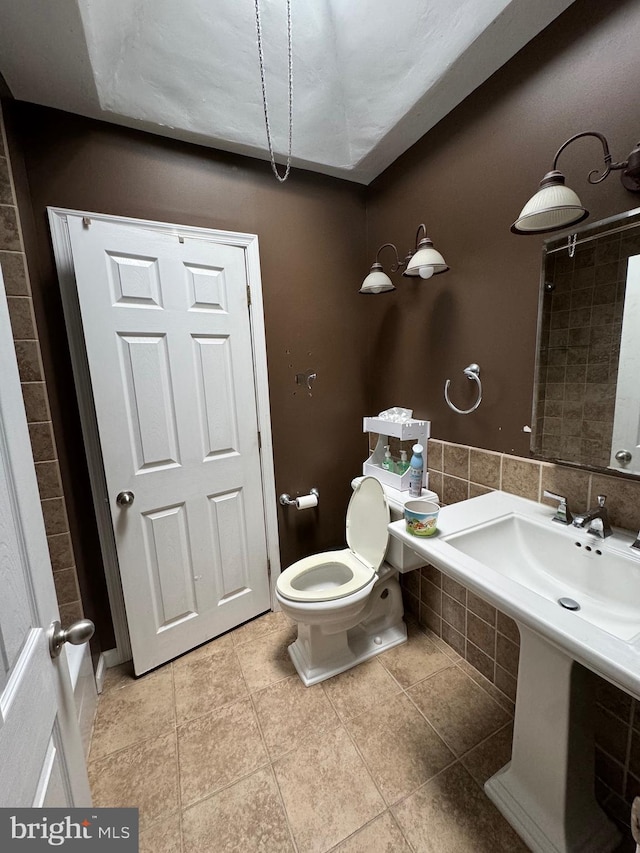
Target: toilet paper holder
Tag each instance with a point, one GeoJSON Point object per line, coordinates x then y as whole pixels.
{"type": "Point", "coordinates": [287, 500]}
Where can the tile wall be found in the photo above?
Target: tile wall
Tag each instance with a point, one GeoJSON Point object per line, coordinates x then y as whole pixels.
{"type": "Point", "coordinates": [487, 638]}
{"type": "Point", "coordinates": [34, 390]}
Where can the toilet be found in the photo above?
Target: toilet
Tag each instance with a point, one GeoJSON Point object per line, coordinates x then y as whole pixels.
{"type": "Point", "coordinates": [348, 603]}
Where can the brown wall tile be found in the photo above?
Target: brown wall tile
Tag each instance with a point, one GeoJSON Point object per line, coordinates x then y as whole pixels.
{"type": "Point", "coordinates": [482, 662]}
{"type": "Point", "coordinates": [507, 654]}
{"type": "Point", "coordinates": [60, 551]}
{"type": "Point", "coordinates": [66, 586]}
{"type": "Point", "coordinates": [9, 234]}
{"type": "Point", "coordinates": [454, 613]}
{"type": "Point", "coordinates": [14, 273]}
{"type": "Point", "coordinates": [435, 454]}
{"type": "Point", "coordinates": [456, 460]}
{"type": "Point", "coordinates": [35, 402]}
{"type": "Point", "coordinates": [454, 489]}
{"type": "Point", "coordinates": [55, 516]}
{"type": "Point", "coordinates": [49, 484]}
{"type": "Point", "coordinates": [6, 193]}
{"type": "Point", "coordinates": [484, 467]}
{"type": "Point", "coordinates": [521, 477]}
{"type": "Point", "coordinates": [21, 316]}
{"type": "Point", "coordinates": [482, 635]}
{"type": "Point", "coordinates": [29, 363]}
{"type": "Point", "coordinates": [481, 608]}
{"type": "Point", "coordinates": [42, 442]}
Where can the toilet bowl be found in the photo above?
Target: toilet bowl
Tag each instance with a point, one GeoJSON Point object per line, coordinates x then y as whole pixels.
{"type": "Point", "coordinates": [347, 603]}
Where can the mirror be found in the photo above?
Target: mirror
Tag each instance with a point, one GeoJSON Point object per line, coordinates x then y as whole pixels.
{"type": "Point", "coordinates": [586, 406]}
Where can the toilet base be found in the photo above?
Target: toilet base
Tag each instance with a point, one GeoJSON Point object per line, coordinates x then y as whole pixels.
{"type": "Point", "coordinates": [357, 646]}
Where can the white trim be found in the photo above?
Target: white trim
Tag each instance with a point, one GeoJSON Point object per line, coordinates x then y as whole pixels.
{"type": "Point", "coordinates": [64, 263]}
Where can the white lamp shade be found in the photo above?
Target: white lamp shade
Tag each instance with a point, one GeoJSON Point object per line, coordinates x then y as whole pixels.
{"type": "Point", "coordinates": [426, 262]}
{"type": "Point", "coordinates": [376, 282]}
{"type": "Point", "coordinates": [554, 206]}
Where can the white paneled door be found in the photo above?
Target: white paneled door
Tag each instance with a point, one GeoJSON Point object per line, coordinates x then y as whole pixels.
{"type": "Point", "coordinates": [167, 330]}
{"type": "Point", "coordinates": [41, 755]}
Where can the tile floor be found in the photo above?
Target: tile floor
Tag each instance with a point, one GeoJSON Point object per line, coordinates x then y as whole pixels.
{"type": "Point", "coordinates": [225, 750]}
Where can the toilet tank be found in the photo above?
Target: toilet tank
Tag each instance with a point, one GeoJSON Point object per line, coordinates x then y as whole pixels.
{"type": "Point", "coordinates": [399, 555]}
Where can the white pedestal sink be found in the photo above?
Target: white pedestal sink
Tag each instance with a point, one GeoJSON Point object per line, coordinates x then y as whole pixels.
{"type": "Point", "coordinates": [508, 550]}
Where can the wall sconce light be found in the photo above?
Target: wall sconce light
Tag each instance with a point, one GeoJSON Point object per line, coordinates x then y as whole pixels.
{"type": "Point", "coordinates": [556, 206]}
{"type": "Point", "coordinates": [423, 261]}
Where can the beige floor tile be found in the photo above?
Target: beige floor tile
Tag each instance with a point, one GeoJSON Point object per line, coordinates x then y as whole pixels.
{"type": "Point", "coordinates": [206, 683]}
{"type": "Point", "coordinates": [274, 621]}
{"type": "Point", "coordinates": [266, 659]}
{"type": "Point", "coordinates": [162, 837]}
{"type": "Point", "coordinates": [245, 817]}
{"type": "Point", "coordinates": [415, 659]}
{"type": "Point", "coordinates": [218, 644]}
{"type": "Point", "coordinates": [462, 713]}
{"type": "Point", "coordinates": [120, 676]}
{"type": "Point", "coordinates": [399, 747]}
{"type": "Point", "coordinates": [490, 756]}
{"type": "Point", "coordinates": [327, 791]}
{"type": "Point", "coordinates": [288, 712]}
{"type": "Point", "coordinates": [217, 749]}
{"type": "Point", "coordinates": [140, 710]}
{"type": "Point", "coordinates": [143, 776]}
{"type": "Point", "coordinates": [451, 814]}
{"type": "Point", "coordinates": [360, 688]}
{"type": "Point", "coordinates": [382, 835]}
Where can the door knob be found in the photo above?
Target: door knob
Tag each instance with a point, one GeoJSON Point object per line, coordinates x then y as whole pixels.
{"type": "Point", "coordinates": [77, 634]}
{"type": "Point", "coordinates": [623, 457]}
{"type": "Point", "coordinates": [125, 498]}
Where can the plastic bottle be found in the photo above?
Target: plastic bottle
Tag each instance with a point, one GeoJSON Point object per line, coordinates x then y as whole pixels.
{"type": "Point", "coordinates": [415, 472]}
{"type": "Point", "coordinates": [387, 462]}
{"type": "Point", "coordinates": [402, 465]}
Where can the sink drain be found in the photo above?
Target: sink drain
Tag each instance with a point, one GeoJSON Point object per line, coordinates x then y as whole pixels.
{"type": "Point", "coordinates": [568, 604]}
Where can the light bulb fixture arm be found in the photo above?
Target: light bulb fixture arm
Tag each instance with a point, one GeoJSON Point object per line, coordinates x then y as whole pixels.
{"type": "Point", "coordinates": [608, 159]}
{"type": "Point", "coordinates": [398, 263]}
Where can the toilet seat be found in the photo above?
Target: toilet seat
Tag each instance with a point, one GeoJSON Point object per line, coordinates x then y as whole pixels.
{"type": "Point", "coordinates": [335, 574]}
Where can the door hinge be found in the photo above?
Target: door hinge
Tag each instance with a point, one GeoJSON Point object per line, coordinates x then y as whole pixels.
{"type": "Point", "coordinates": [248, 295]}
{"type": "Point", "coordinates": [269, 569]}
{"type": "Point", "coordinates": [259, 441]}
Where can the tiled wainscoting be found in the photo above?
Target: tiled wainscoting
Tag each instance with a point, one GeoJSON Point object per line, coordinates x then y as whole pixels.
{"type": "Point", "coordinates": [488, 639]}
{"type": "Point", "coordinates": [34, 391]}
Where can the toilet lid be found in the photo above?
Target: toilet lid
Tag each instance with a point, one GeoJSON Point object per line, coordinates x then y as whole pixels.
{"type": "Point", "coordinates": [367, 520]}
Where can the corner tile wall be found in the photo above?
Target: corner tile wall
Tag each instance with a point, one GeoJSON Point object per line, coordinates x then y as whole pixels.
{"type": "Point", "coordinates": [34, 390]}
{"type": "Point", "coordinates": [488, 639]}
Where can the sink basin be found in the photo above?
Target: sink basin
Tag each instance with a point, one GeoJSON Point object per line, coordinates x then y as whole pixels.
{"type": "Point", "coordinates": [509, 551]}
{"type": "Point", "coordinates": [558, 562]}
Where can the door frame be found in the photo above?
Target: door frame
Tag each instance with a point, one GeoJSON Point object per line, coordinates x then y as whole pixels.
{"type": "Point", "coordinates": [58, 222]}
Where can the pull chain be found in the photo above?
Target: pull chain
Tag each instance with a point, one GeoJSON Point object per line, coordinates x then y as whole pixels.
{"type": "Point", "coordinates": [281, 178]}
{"type": "Point", "coordinates": [571, 244]}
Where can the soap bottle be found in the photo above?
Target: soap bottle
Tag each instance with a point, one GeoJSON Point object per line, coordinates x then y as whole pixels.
{"type": "Point", "coordinates": [387, 462]}
{"type": "Point", "coordinates": [402, 465]}
{"type": "Point", "coordinates": [415, 472]}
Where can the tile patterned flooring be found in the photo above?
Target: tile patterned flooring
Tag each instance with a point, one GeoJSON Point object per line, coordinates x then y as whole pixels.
{"type": "Point", "coordinates": [224, 749]}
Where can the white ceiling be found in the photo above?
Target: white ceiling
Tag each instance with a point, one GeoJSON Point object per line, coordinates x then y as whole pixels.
{"type": "Point", "coordinates": [370, 76]}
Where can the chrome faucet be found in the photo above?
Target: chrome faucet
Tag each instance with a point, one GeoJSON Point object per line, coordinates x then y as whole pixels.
{"type": "Point", "coordinates": [596, 520]}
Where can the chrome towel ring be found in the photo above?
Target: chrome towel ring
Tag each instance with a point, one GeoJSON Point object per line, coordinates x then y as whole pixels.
{"type": "Point", "coordinates": [471, 372]}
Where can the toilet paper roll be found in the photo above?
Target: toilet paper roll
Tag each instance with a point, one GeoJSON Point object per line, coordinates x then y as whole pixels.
{"type": "Point", "coordinates": [306, 502]}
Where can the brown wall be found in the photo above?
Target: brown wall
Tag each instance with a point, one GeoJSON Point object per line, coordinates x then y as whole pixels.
{"type": "Point", "coordinates": [468, 180]}
{"type": "Point", "coordinates": [312, 237]}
